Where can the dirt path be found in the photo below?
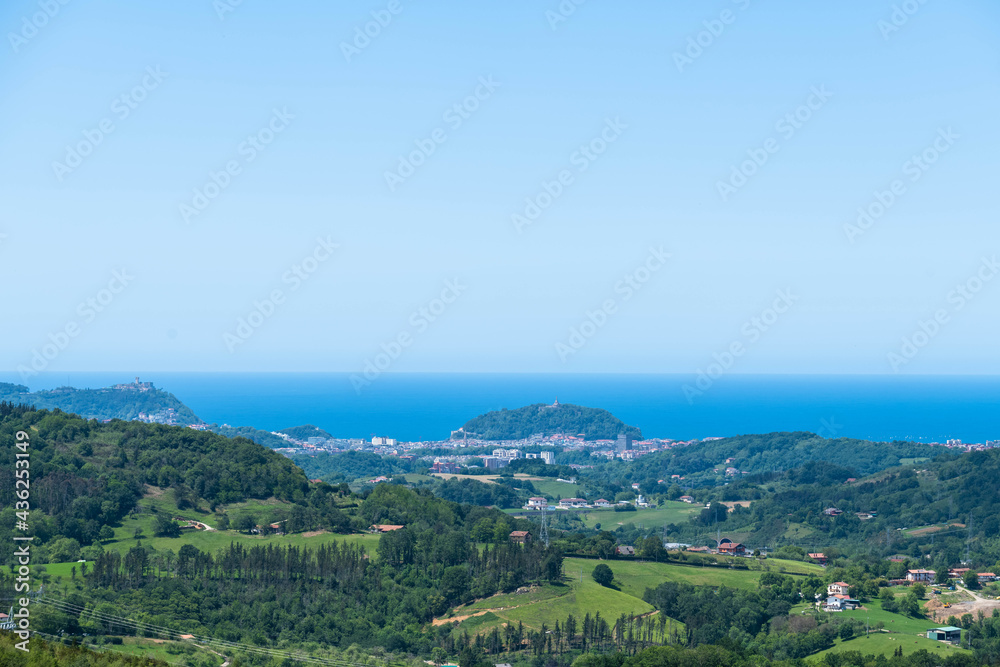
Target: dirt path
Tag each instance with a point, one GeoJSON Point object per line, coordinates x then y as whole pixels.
{"type": "Point", "coordinates": [976, 604]}
{"type": "Point", "coordinates": [452, 619]}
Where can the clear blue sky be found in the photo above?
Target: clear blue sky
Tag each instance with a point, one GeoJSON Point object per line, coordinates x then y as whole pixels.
{"type": "Point", "coordinates": [678, 131]}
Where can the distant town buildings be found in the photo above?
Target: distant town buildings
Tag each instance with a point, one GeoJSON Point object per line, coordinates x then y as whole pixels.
{"type": "Point", "coordinates": [549, 458]}
{"type": "Point", "coordinates": [384, 442]}
{"type": "Point", "coordinates": [624, 443]}
{"type": "Point", "coordinates": [449, 467]}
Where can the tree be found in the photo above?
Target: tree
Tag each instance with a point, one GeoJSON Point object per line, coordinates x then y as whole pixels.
{"type": "Point", "coordinates": [919, 590]}
{"type": "Point", "coordinates": [910, 605]}
{"type": "Point", "coordinates": [603, 575]}
{"type": "Point", "coordinates": [166, 527]}
{"type": "Point", "coordinates": [106, 533]}
{"type": "Point", "coordinates": [971, 580]}
{"type": "Point", "coordinates": [245, 523]}
{"type": "Point", "coordinates": [222, 523]}
{"type": "Point", "coordinates": [846, 631]}
{"type": "Point", "coordinates": [888, 599]}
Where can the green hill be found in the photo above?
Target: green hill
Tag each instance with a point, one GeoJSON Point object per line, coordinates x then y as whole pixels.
{"type": "Point", "coordinates": [305, 432]}
{"type": "Point", "coordinates": [593, 423]}
{"type": "Point", "coordinates": [124, 401]}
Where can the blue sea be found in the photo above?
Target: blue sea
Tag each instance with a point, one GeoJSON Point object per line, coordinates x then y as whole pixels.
{"type": "Point", "coordinates": [412, 407]}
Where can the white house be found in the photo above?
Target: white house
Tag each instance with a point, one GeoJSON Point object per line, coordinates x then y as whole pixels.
{"type": "Point", "coordinates": [921, 575]}
{"type": "Point", "coordinates": [838, 588]}
{"type": "Point", "coordinates": [572, 502]}
{"type": "Point", "coordinates": [537, 503]}
{"type": "Point", "coordinates": [686, 499]}
{"type": "Point", "coordinates": [601, 502]}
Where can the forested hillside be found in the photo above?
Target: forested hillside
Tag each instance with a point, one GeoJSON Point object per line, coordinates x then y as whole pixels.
{"type": "Point", "coordinates": [775, 452]}
{"type": "Point", "coordinates": [594, 423]}
{"type": "Point", "coordinates": [105, 403]}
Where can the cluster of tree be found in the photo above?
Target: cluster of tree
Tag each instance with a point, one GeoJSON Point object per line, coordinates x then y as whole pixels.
{"type": "Point", "coordinates": [305, 432]}
{"type": "Point", "coordinates": [334, 594]}
{"type": "Point", "coordinates": [265, 438]}
{"type": "Point", "coordinates": [43, 653]}
{"type": "Point", "coordinates": [503, 494]}
{"type": "Point", "coordinates": [593, 423]}
{"type": "Point", "coordinates": [764, 453]}
{"type": "Point", "coordinates": [729, 653]}
{"type": "Point", "coordinates": [86, 475]}
{"type": "Point", "coordinates": [349, 466]}
{"type": "Point", "coordinates": [106, 403]}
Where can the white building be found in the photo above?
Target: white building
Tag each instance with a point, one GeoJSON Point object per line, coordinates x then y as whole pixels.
{"type": "Point", "coordinates": [572, 502]}
{"type": "Point", "coordinates": [549, 458]}
{"type": "Point", "coordinates": [387, 442]}
{"type": "Point", "coordinates": [509, 454]}
{"type": "Point", "coordinates": [537, 503]}
{"type": "Point", "coordinates": [601, 502]}
{"type": "Point", "coordinates": [921, 575]}
{"type": "Point", "coordinates": [838, 588]}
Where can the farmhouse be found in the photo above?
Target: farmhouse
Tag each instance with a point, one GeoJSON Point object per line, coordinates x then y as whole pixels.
{"type": "Point", "coordinates": [686, 499]}
{"type": "Point", "coordinates": [986, 577]}
{"type": "Point", "coordinates": [520, 537]}
{"type": "Point", "coordinates": [926, 576]}
{"type": "Point", "coordinates": [730, 548]}
{"type": "Point", "coordinates": [625, 551]}
{"type": "Point", "coordinates": [832, 511]}
{"type": "Point", "coordinates": [838, 588]}
{"type": "Point", "coordinates": [537, 503]}
{"type": "Point", "coordinates": [566, 503]}
{"type": "Point", "coordinates": [385, 528]}
{"type": "Point", "coordinates": [957, 572]}
{"type": "Point", "coordinates": [819, 558]}
{"type": "Point", "coordinates": [601, 502]}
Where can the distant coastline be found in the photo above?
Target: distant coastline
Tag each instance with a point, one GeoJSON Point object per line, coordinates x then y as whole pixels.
{"type": "Point", "coordinates": [415, 406]}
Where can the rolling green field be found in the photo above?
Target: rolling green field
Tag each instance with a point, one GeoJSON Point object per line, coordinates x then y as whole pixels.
{"type": "Point", "coordinates": [551, 602]}
{"type": "Point", "coordinates": [671, 512]}
{"type": "Point", "coordinates": [213, 540]}
{"type": "Point", "coordinates": [885, 643]}
{"type": "Point", "coordinates": [579, 595]}
{"type": "Point", "coordinates": [910, 633]}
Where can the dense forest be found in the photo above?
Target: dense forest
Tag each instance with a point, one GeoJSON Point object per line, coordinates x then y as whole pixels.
{"type": "Point", "coordinates": [593, 423]}
{"type": "Point", "coordinates": [704, 463]}
{"type": "Point", "coordinates": [349, 466]}
{"type": "Point", "coordinates": [106, 403]}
